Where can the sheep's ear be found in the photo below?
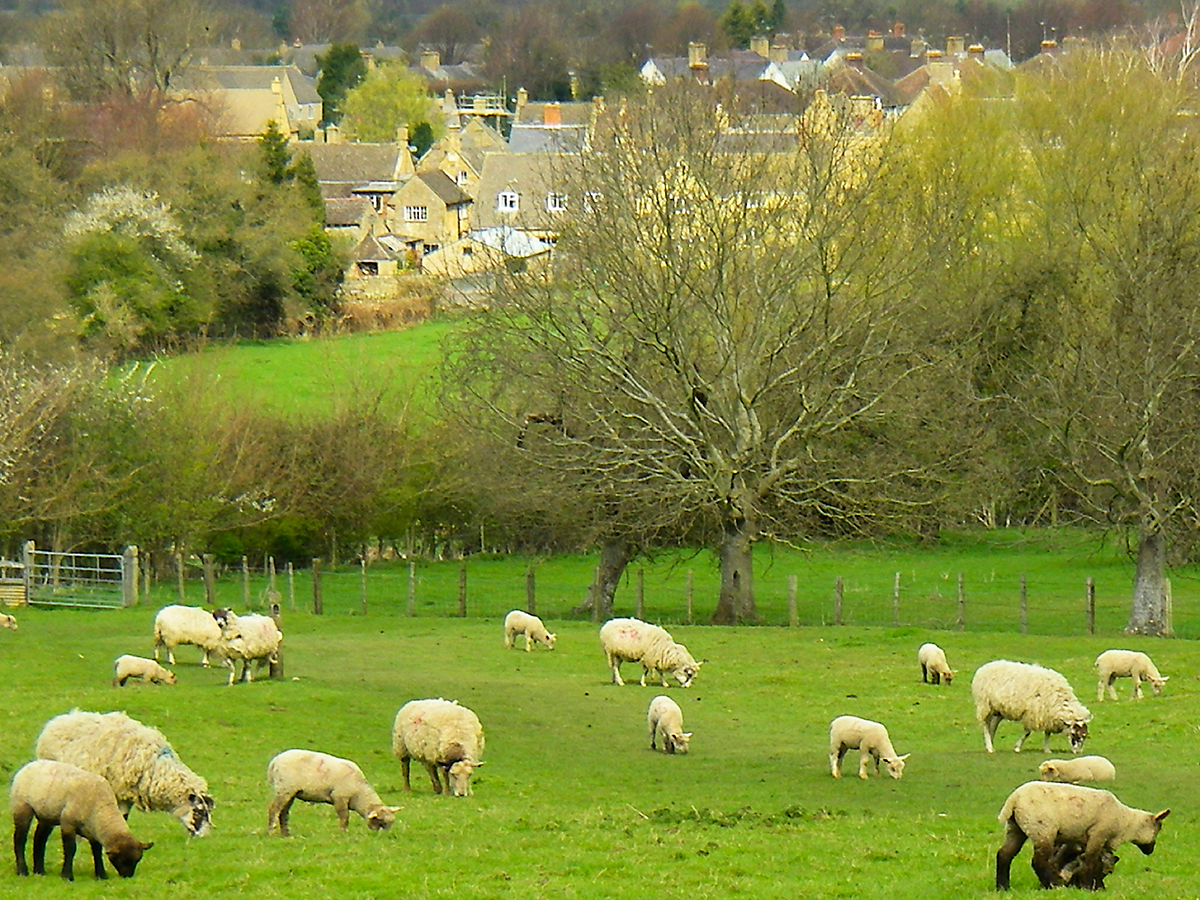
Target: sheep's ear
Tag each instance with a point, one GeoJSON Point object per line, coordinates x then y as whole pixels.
{"type": "Point", "coordinates": [687, 735]}
{"type": "Point", "coordinates": [1166, 678]}
{"type": "Point", "coordinates": [903, 758]}
{"type": "Point", "coordinates": [146, 847]}
{"type": "Point", "coordinates": [1158, 817]}
{"type": "Point", "coordinates": [392, 809]}
{"type": "Point", "coordinates": [477, 765]}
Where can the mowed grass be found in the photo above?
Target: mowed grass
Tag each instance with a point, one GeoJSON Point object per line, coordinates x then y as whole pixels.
{"type": "Point", "coordinates": [572, 802]}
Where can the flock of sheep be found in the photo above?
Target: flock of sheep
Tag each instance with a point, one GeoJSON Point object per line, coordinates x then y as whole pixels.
{"type": "Point", "coordinates": [92, 769]}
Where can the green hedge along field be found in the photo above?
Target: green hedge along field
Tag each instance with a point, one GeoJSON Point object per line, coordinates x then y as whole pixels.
{"type": "Point", "coordinates": [572, 802]}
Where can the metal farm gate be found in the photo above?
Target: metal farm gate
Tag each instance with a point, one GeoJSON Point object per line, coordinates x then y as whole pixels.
{"type": "Point", "coordinates": [94, 580]}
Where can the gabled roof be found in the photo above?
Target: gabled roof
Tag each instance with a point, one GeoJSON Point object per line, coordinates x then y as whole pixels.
{"type": "Point", "coordinates": [445, 189]}
{"type": "Point", "coordinates": [343, 167]}
{"type": "Point", "coordinates": [346, 212]}
{"type": "Point", "coordinates": [548, 138]}
{"type": "Point", "coordinates": [249, 78]}
{"type": "Point", "coordinates": [369, 249]}
{"type": "Point", "coordinates": [567, 113]}
{"type": "Point", "coordinates": [532, 176]}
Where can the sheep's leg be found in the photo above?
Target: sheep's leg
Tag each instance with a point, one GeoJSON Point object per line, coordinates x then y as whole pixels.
{"type": "Point", "coordinates": [1014, 840]}
{"type": "Point", "coordinates": [98, 859]}
{"type": "Point", "coordinates": [1137, 687]}
{"type": "Point", "coordinates": [341, 806]}
{"type": "Point", "coordinates": [433, 776]}
{"type": "Point", "coordinates": [278, 812]}
{"type": "Point", "coordinates": [653, 736]}
{"type": "Point", "coordinates": [1100, 691]}
{"type": "Point", "coordinates": [22, 817]}
{"type": "Point", "coordinates": [1044, 866]}
{"type": "Point", "coordinates": [1112, 686]}
{"type": "Point", "coordinates": [404, 764]}
{"type": "Point", "coordinates": [924, 673]}
{"type": "Point", "coordinates": [41, 836]}
{"type": "Point", "coordinates": [615, 665]}
{"type": "Point", "coordinates": [1021, 742]}
{"type": "Point", "coordinates": [864, 763]}
{"type": "Point", "coordinates": [170, 655]}
{"type": "Point", "coordinates": [528, 642]}
{"type": "Point", "coordinates": [68, 841]}
{"type": "Point", "coordinates": [937, 679]}
{"type": "Point", "coordinates": [989, 731]}
{"type": "Point", "coordinates": [835, 760]}
{"type": "Point", "coordinates": [644, 672]}
{"type": "Point", "coordinates": [204, 659]}
{"type": "Point", "coordinates": [508, 640]}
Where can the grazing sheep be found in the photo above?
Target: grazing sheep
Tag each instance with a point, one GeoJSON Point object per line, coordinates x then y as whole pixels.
{"type": "Point", "coordinates": [175, 625]}
{"type": "Point", "coordinates": [932, 660]}
{"type": "Point", "coordinates": [665, 718]}
{"type": "Point", "coordinates": [1038, 698]}
{"type": "Point", "coordinates": [518, 622]}
{"type": "Point", "coordinates": [1054, 815]}
{"type": "Point", "coordinates": [1082, 768]}
{"type": "Point", "coordinates": [446, 737]}
{"type": "Point", "coordinates": [250, 638]}
{"type": "Point", "coordinates": [870, 739]}
{"type": "Point", "coordinates": [7, 621]}
{"type": "Point", "coordinates": [321, 778]}
{"type": "Point", "coordinates": [1114, 664]}
{"type": "Point", "coordinates": [80, 804]}
{"type": "Point", "coordinates": [632, 640]}
{"type": "Point", "coordinates": [135, 759]}
{"type": "Point", "coordinates": [127, 667]}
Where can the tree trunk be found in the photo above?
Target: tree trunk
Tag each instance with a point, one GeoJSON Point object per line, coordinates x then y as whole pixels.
{"type": "Point", "coordinates": [736, 604]}
{"type": "Point", "coordinates": [615, 555]}
{"type": "Point", "coordinates": [1148, 615]}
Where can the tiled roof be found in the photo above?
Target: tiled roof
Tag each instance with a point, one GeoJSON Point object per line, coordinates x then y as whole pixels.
{"type": "Point", "coordinates": [445, 189]}
{"type": "Point", "coordinates": [354, 164]}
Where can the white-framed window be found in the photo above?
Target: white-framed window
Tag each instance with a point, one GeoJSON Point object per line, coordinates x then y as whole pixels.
{"type": "Point", "coordinates": [462, 178]}
{"type": "Point", "coordinates": [376, 201]}
{"type": "Point", "coordinates": [592, 200]}
{"type": "Point", "coordinates": [508, 201]}
{"type": "Point", "coordinates": [556, 202]}
{"type": "Point", "coordinates": [416, 214]}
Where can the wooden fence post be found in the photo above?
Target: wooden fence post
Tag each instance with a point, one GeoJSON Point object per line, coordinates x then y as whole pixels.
{"type": "Point", "coordinates": [412, 588]}
{"type": "Point", "coordinates": [641, 594]}
{"type": "Point", "coordinates": [276, 663]}
{"type": "Point", "coordinates": [209, 587]}
{"type": "Point", "coordinates": [793, 619]}
{"type": "Point", "coordinates": [1024, 606]}
{"type": "Point", "coordinates": [318, 602]}
{"type": "Point", "coordinates": [462, 589]}
{"type": "Point", "coordinates": [691, 597]}
{"type": "Point", "coordinates": [362, 582]}
{"type": "Point", "coordinates": [147, 569]}
{"type": "Point", "coordinates": [1090, 605]}
{"type": "Point", "coordinates": [530, 590]}
{"type": "Point", "coordinates": [129, 579]}
{"type": "Point", "coordinates": [291, 573]}
{"type": "Point", "coordinates": [179, 573]}
{"type": "Point", "coordinates": [837, 601]}
{"type": "Point", "coordinates": [245, 582]}
{"type": "Point", "coordinates": [962, 604]}
{"type": "Point", "coordinates": [896, 601]}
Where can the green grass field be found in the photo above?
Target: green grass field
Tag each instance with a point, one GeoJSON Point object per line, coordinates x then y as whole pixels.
{"type": "Point", "coordinates": [572, 803]}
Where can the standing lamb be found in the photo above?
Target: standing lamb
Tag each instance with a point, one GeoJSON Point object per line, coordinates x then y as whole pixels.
{"type": "Point", "coordinates": [80, 804]}
{"type": "Point", "coordinates": [665, 719]}
{"type": "Point", "coordinates": [870, 739]}
{"type": "Point", "coordinates": [444, 736]}
{"type": "Point", "coordinates": [135, 759]}
{"type": "Point", "coordinates": [632, 640]}
{"type": "Point", "coordinates": [518, 622]}
{"type": "Point", "coordinates": [1114, 664]}
{"type": "Point", "coordinates": [1039, 698]}
{"type": "Point", "coordinates": [7, 621]}
{"type": "Point", "coordinates": [250, 638]}
{"type": "Point", "coordinates": [126, 667]}
{"type": "Point", "coordinates": [932, 660]}
{"type": "Point", "coordinates": [1082, 768]}
{"type": "Point", "coordinates": [320, 778]}
{"type": "Point", "coordinates": [175, 625]}
{"type": "Point", "coordinates": [1053, 815]}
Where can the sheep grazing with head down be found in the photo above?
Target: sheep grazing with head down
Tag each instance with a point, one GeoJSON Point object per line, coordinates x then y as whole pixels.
{"type": "Point", "coordinates": [632, 640]}
{"type": "Point", "coordinates": [518, 622]}
{"type": "Point", "coordinates": [320, 778]}
{"type": "Point", "coordinates": [126, 667]}
{"type": "Point", "coordinates": [1114, 664]}
{"type": "Point", "coordinates": [1087, 822]}
{"type": "Point", "coordinates": [7, 621]}
{"type": "Point", "coordinates": [1081, 768]}
{"type": "Point", "coordinates": [135, 759]}
{"type": "Point", "coordinates": [665, 720]}
{"type": "Point", "coordinates": [932, 660]}
{"type": "Point", "coordinates": [250, 638]}
{"type": "Point", "coordinates": [871, 741]}
{"type": "Point", "coordinates": [175, 625]}
{"type": "Point", "coordinates": [81, 805]}
{"type": "Point", "coordinates": [444, 736]}
{"type": "Point", "coordinates": [1039, 699]}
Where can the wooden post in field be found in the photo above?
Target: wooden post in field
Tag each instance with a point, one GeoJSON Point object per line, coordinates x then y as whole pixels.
{"type": "Point", "coordinates": [896, 601]}
{"type": "Point", "coordinates": [412, 588]}
{"type": "Point", "coordinates": [962, 604]}
{"type": "Point", "coordinates": [271, 574]}
{"type": "Point", "coordinates": [837, 601]}
{"type": "Point", "coordinates": [1024, 606]}
{"type": "Point", "coordinates": [245, 582]}
{"type": "Point", "coordinates": [691, 596]}
{"type": "Point", "coordinates": [146, 569]}
{"type": "Point", "coordinates": [462, 589]}
{"type": "Point", "coordinates": [596, 594]}
{"type": "Point", "coordinates": [291, 572]}
{"type": "Point", "coordinates": [362, 582]}
{"type": "Point", "coordinates": [209, 588]}
{"type": "Point", "coordinates": [276, 663]}
{"type": "Point", "coordinates": [129, 577]}
{"type": "Point", "coordinates": [1168, 609]}
{"type": "Point", "coordinates": [318, 602]}
{"type": "Point", "coordinates": [530, 590]}
{"type": "Point", "coordinates": [1090, 605]}
{"type": "Point", "coordinates": [179, 573]}
{"type": "Point", "coordinates": [793, 619]}
{"type": "Point", "coordinates": [641, 594]}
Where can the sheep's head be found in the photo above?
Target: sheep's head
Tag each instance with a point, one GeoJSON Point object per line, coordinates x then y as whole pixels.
{"type": "Point", "coordinates": [1148, 830]}
{"type": "Point", "coordinates": [678, 743]}
{"type": "Point", "coordinates": [895, 764]}
{"type": "Point", "coordinates": [221, 616]}
{"type": "Point", "coordinates": [1077, 733]}
{"type": "Point", "coordinates": [196, 814]}
{"type": "Point", "coordinates": [685, 673]}
{"type": "Point", "coordinates": [1048, 771]}
{"type": "Point", "coordinates": [8, 621]}
{"type": "Point", "coordinates": [550, 639]}
{"type": "Point", "coordinates": [169, 677]}
{"type": "Point", "coordinates": [948, 676]}
{"type": "Point", "coordinates": [458, 775]}
{"type": "Point", "coordinates": [126, 854]}
{"type": "Point", "coordinates": [1156, 684]}
{"type": "Point", "coordinates": [382, 817]}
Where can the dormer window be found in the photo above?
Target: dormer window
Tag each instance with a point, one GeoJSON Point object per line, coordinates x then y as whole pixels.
{"type": "Point", "coordinates": [462, 178]}
{"type": "Point", "coordinates": [508, 201]}
{"type": "Point", "coordinates": [556, 202]}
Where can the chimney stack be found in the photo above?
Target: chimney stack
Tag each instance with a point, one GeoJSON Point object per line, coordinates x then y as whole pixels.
{"type": "Point", "coordinates": [898, 30]}
{"type": "Point", "coordinates": [955, 46]}
{"type": "Point", "coordinates": [697, 56]}
{"type": "Point", "coordinates": [839, 32]}
{"type": "Point", "coordinates": [975, 51]}
{"type": "Point", "coordinates": [760, 45]}
{"type": "Point", "coordinates": [874, 42]}
{"type": "Point", "coordinates": [431, 60]}
{"type": "Point", "coordinates": [552, 114]}
{"type": "Point", "coordinates": [779, 53]}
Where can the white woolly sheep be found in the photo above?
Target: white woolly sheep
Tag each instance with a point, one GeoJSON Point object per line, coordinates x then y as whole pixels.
{"type": "Point", "coordinates": [80, 804]}
{"type": "Point", "coordinates": [135, 759]}
{"type": "Point", "coordinates": [250, 638]}
{"type": "Point", "coordinates": [1090, 820]}
{"type": "Point", "coordinates": [632, 640]}
{"type": "Point", "coordinates": [872, 742]}
{"type": "Point", "coordinates": [518, 622]}
{"type": "Point", "coordinates": [665, 720]}
{"type": "Point", "coordinates": [444, 736]}
{"type": "Point", "coordinates": [126, 667]}
{"type": "Point", "coordinates": [175, 625]}
{"type": "Point", "coordinates": [1114, 664]}
{"type": "Point", "coordinates": [1039, 699]}
{"type": "Point", "coordinates": [320, 778]}
{"type": "Point", "coordinates": [1082, 768]}
{"type": "Point", "coordinates": [7, 621]}
{"type": "Point", "coordinates": [932, 660]}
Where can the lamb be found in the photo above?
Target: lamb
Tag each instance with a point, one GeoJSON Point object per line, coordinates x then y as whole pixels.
{"type": "Point", "coordinates": [175, 625]}
{"type": "Point", "coordinates": [446, 737]}
{"type": "Point", "coordinates": [665, 718]}
{"type": "Point", "coordinates": [1039, 698]}
{"type": "Point", "coordinates": [632, 640]}
{"type": "Point", "coordinates": [932, 660]}
{"type": "Point", "coordinates": [127, 667]}
{"type": "Point", "coordinates": [1083, 768]}
{"type": "Point", "coordinates": [251, 638]}
{"type": "Point", "coordinates": [518, 622]}
{"type": "Point", "coordinates": [1091, 820]}
{"type": "Point", "coordinates": [80, 804]}
{"type": "Point", "coordinates": [870, 739]}
{"type": "Point", "coordinates": [7, 621]}
{"type": "Point", "coordinates": [1114, 664]}
{"type": "Point", "coordinates": [135, 759]}
{"type": "Point", "coordinates": [320, 778]}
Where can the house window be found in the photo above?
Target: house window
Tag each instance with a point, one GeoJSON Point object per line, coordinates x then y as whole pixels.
{"type": "Point", "coordinates": [508, 201]}
{"type": "Point", "coordinates": [416, 214]}
{"type": "Point", "coordinates": [432, 248]}
{"type": "Point", "coordinates": [592, 200]}
{"type": "Point", "coordinates": [556, 202]}
{"type": "Point", "coordinates": [368, 269]}
{"type": "Point", "coordinates": [468, 250]}
{"type": "Point", "coordinates": [376, 201]}
{"type": "Point", "coordinates": [462, 178]}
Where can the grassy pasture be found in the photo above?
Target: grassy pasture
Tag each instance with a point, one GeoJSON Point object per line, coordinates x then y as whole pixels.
{"type": "Point", "coordinates": [572, 803]}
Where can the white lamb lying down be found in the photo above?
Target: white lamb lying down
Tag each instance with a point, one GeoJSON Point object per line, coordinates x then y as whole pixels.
{"type": "Point", "coordinates": [1039, 699]}
{"type": "Point", "coordinates": [7, 621]}
{"type": "Point", "coordinates": [320, 778]}
{"type": "Point", "coordinates": [1082, 768]}
{"type": "Point", "coordinates": [127, 667]}
{"type": "Point", "coordinates": [446, 737]}
{"type": "Point", "coordinates": [632, 640]}
{"type": "Point", "coordinates": [932, 660]}
{"type": "Point", "coordinates": [519, 622]}
{"type": "Point", "coordinates": [870, 739]}
{"type": "Point", "coordinates": [1114, 664]}
{"type": "Point", "coordinates": [665, 720]}
{"type": "Point", "coordinates": [1055, 816]}
{"type": "Point", "coordinates": [81, 805]}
